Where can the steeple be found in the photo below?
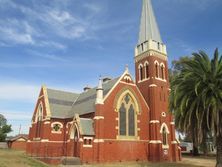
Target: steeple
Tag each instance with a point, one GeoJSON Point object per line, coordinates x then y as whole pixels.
{"type": "Point", "coordinates": [149, 35]}
{"type": "Point", "coordinates": [148, 25]}
{"type": "Point", "coordinates": [99, 92]}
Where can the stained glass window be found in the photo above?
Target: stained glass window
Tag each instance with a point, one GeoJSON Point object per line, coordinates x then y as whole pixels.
{"type": "Point", "coordinates": [131, 119]}
{"type": "Point", "coordinates": [122, 112]}
{"type": "Point", "coordinates": [127, 117]}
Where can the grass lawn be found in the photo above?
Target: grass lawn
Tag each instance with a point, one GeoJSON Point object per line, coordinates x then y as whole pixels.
{"type": "Point", "coordinates": [12, 158]}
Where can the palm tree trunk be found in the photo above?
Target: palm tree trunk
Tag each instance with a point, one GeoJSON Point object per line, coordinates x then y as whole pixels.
{"type": "Point", "coordinates": [219, 150]}
{"type": "Point", "coordinates": [195, 144]}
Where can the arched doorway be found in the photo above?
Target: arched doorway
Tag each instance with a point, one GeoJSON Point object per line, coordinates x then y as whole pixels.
{"type": "Point", "coordinates": [76, 143]}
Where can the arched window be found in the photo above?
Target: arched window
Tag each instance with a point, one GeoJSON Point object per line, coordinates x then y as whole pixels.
{"type": "Point", "coordinates": [162, 69]}
{"type": "Point", "coordinates": [127, 117]}
{"type": "Point", "coordinates": [157, 70]}
{"type": "Point", "coordinates": [131, 118]}
{"type": "Point", "coordinates": [164, 135]}
{"type": "Point", "coordinates": [140, 72]}
{"type": "Point", "coordinates": [122, 119]}
{"type": "Point", "coordinates": [164, 132]}
{"type": "Point", "coordinates": [39, 113]}
{"type": "Point", "coordinates": [147, 75]}
{"type": "Point", "coordinates": [39, 118]}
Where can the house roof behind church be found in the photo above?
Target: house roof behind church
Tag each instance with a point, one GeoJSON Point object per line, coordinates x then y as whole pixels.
{"type": "Point", "coordinates": [66, 104]}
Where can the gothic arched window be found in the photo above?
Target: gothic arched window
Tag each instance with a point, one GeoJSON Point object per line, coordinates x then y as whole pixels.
{"type": "Point", "coordinates": [156, 69]}
{"type": "Point", "coordinates": [39, 118]}
{"type": "Point", "coordinates": [164, 135]}
{"type": "Point", "coordinates": [122, 119]}
{"type": "Point", "coordinates": [140, 72]}
{"type": "Point", "coordinates": [127, 117]}
{"type": "Point", "coordinates": [162, 69]}
{"type": "Point", "coordinates": [147, 70]}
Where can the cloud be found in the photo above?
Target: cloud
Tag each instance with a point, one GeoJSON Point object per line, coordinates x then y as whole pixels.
{"type": "Point", "coordinates": [18, 91]}
{"type": "Point", "coordinates": [95, 8]}
{"type": "Point", "coordinates": [46, 56]}
{"type": "Point", "coordinates": [12, 115]}
{"type": "Point", "coordinates": [18, 32]}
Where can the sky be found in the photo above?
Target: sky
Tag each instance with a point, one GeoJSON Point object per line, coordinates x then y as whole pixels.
{"type": "Point", "coordinates": [68, 44]}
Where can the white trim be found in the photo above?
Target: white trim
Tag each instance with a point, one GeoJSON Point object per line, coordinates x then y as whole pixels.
{"type": "Point", "coordinates": [152, 85]}
{"type": "Point", "coordinates": [44, 140]}
{"type": "Point", "coordinates": [174, 142]}
{"type": "Point", "coordinates": [127, 78]}
{"type": "Point", "coordinates": [172, 123]}
{"type": "Point", "coordinates": [165, 146]}
{"type": "Point", "coordinates": [140, 65]}
{"type": "Point", "coordinates": [87, 138]}
{"type": "Point", "coordinates": [98, 141]}
{"type": "Point", "coordinates": [146, 63]}
{"type": "Point", "coordinates": [155, 142]}
{"type": "Point", "coordinates": [110, 91]}
{"type": "Point", "coordinates": [154, 122]}
{"type": "Point", "coordinates": [156, 62]}
{"type": "Point", "coordinates": [98, 117]}
{"type": "Point", "coordinates": [56, 132]}
{"type": "Point", "coordinates": [162, 126]}
{"type": "Point", "coordinates": [87, 146]}
{"type": "Point", "coordinates": [162, 64]}
{"type": "Point", "coordinates": [145, 79]}
{"type": "Point", "coordinates": [80, 140]}
{"type": "Point", "coordinates": [56, 123]}
{"type": "Point", "coordinates": [160, 79]}
{"type": "Point", "coordinates": [47, 122]}
{"type": "Point", "coordinates": [128, 83]}
{"type": "Point", "coordinates": [163, 114]}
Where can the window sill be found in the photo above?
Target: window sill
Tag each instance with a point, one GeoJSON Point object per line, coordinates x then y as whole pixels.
{"type": "Point", "coordinates": [128, 137]}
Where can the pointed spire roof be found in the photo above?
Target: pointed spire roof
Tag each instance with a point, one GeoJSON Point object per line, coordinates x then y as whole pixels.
{"type": "Point", "coordinates": [148, 25]}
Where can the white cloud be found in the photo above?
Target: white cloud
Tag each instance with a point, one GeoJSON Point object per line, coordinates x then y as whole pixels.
{"type": "Point", "coordinates": [16, 31]}
{"type": "Point", "coordinates": [16, 115]}
{"type": "Point", "coordinates": [18, 91]}
{"type": "Point", "coordinates": [93, 7]}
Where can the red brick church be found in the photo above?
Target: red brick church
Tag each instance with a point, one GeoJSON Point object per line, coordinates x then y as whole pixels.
{"type": "Point", "coordinates": [119, 120]}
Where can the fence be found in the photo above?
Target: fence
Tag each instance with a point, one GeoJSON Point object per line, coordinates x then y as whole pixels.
{"type": "Point", "coordinates": [3, 145]}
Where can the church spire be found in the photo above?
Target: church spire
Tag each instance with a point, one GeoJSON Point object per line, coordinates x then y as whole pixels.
{"type": "Point", "coordinates": [149, 36]}
{"type": "Point", "coordinates": [148, 26]}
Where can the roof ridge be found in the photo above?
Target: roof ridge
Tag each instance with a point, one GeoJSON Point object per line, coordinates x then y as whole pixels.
{"type": "Point", "coordinates": [65, 91]}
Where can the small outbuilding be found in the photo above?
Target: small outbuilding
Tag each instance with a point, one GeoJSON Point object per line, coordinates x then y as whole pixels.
{"type": "Point", "coordinates": [18, 142]}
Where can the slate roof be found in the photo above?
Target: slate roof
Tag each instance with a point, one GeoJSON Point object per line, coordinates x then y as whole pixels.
{"type": "Point", "coordinates": [66, 104]}
{"type": "Point", "coordinates": [60, 102]}
{"type": "Point", "coordinates": [148, 25]}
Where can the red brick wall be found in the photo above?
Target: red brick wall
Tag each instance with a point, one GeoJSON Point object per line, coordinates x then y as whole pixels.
{"type": "Point", "coordinates": [18, 145]}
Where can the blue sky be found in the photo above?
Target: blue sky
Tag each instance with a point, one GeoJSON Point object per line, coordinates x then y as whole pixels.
{"type": "Point", "coordinates": [67, 44]}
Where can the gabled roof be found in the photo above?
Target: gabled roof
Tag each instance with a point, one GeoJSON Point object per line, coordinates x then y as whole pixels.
{"type": "Point", "coordinates": [24, 136]}
{"type": "Point", "coordinates": [60, 102]}
{"type": "Point", "coordinates": [148, 25]}
{"type": "Point", "coordinates": [66, 104]}
{"type": "Point", "coordinates": [86, 101]}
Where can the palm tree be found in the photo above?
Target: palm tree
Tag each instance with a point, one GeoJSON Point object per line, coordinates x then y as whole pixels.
{"type": "Point", "coordinates": [196, 97]}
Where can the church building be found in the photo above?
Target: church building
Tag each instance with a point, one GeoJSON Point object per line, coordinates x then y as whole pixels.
{"type": "Point", "coordinates": [119, 120]}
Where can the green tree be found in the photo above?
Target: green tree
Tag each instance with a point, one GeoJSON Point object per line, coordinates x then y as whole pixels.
{"type": "Point", "coordinates": [4, 128]}
{"type": "Point", "coordinates": [196, 97]}
{"type": "Point", "coordinates": [181, 125]}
